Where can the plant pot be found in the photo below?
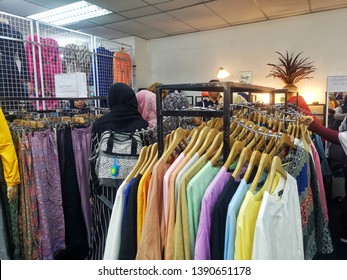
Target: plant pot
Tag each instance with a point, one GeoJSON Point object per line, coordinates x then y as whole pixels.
{"type": "Point", "coordinates": [291, 88]}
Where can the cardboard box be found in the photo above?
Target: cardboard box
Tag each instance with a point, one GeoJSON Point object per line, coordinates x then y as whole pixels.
{"type": "Point", "coordinates": [71, 85]}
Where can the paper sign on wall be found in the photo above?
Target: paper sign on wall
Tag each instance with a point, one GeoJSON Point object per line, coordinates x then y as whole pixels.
{"type": "Point", "coordinates": [71, 85]}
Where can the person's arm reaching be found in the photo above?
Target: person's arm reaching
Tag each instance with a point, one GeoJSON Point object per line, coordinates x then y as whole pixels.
{"type": "Point", "coordinates": [328, 134]}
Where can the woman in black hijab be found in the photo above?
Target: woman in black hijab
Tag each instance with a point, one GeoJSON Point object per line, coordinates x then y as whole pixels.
{"type": "Point", "coordinates": [124, 115]}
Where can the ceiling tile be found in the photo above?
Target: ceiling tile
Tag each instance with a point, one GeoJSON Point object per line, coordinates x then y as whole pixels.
{"type": "Point", "coordinates": [51, 4]}
{"type": "Point", "coordinates": [107, 19]}
{"type": "Point", "coordinates": [140, 12]}
{"type": "Point", "coordinates": [104, 32]}
{"type": "Point", "coordinates": [177, 4]}
{"type": "Point", "coordinates": [199, 17]}
{"type": "Point", "coordinates": [165, 23]}
{"type": "Point", "coordinates": [20, 8]}
{"type": "Point", "coordinates": [152, 2]}
{"type": "Point", "coordinates": [81, 25]}
{"type": "Point", "coordinates": [134, 28]}
{"type": "Point", "coordinates": [236, 12]}
{"type": "Point", "coordinates": [275, 9]}
{"type": "Point", "coordinates": [119, 6]}
{"type": "Point", "coordinates": [318, 5]}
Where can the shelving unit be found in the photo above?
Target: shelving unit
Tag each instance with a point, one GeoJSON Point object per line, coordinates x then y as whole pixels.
{"type": "Point", "coordinates": [227, 87]}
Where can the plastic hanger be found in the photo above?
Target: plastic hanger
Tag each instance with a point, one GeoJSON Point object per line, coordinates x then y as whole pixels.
{"type": "Point", "coordinates": [264, 164]}
{"type": "Point", "coordinates": [245, 156]}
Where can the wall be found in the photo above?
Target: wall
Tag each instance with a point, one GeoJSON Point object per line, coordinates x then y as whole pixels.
{"type": "Point", "coordinates": [195, 57]}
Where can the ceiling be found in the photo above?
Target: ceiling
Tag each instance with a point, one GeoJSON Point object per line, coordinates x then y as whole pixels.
{"type": "Point", "coordinates": [150, 19]}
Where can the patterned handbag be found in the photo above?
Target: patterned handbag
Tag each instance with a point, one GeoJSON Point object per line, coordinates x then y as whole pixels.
{"type": "Point", "coordinates": [117, 154]}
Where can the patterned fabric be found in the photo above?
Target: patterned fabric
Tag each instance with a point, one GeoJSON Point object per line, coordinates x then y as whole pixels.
{"type": "Point", "coordinates": [316, 234]}
{"type": "Point", "coordinates": [48, 191]}
{"type": "Point", "coordinates": [76, 59]}
{"type": "Point", "coordinates": [28, 210]}
{"type": "Point", "coordinates": [176, 101]}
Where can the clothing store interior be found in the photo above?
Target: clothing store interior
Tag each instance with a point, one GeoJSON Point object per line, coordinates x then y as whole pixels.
{"type": "Point", "coordinates": [173, 130]}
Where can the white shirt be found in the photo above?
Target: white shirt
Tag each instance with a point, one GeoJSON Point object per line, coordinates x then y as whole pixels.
{"type": "Point", "coordinates": [278, 233]}
{"type": "Point", "coordinates": [113, 238]}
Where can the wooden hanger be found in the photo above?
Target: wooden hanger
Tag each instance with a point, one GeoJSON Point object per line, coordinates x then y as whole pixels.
{"type": "Point", "coordinates": [252, 163]}
{"type": "Point", "coordinates": [245, 130]}
{"type": "Point", "coordinates": [245, 156]}
{"type": "Point", "coordinates": [264, 164]}
{"type": "Point", "coordinates": [211, 135]}
{"type": "Point", "coordinates": [217, 142]}
{"type": "Point", "coordinates": [283, 139]}
{"type": "Point", "coordinates": [237, 130]}
{"type": "Point", "coordinates": [153, 155]}
{"type": "Point", "coordinates": [217, 156]}
{"type": "Point", "coordinates": [234, 153]}
{"type": "Point", "coordinates": [276, 166]}
{"type": "Point", "coordinates": [262, 140]}
{"type": "Point", "coordinates": [178, 136]}
{"type": "Point", "coordinates": [153, 158]}
{"type": "Point", "coordinates": [193, 138]}
{"type": "Point", "coordinates": [142, 158]}
{"type": "Point", "coordinates": [199, 141]}
{"type": "Point", "coordinates": [256, 137]}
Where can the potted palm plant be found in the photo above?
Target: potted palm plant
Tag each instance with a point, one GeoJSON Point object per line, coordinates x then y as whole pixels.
{"type": "Point", "coordinates": [291, 69]}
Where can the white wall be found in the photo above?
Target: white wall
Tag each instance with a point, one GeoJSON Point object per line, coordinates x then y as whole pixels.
{"type": "Point", "coordinates": [195, 57]}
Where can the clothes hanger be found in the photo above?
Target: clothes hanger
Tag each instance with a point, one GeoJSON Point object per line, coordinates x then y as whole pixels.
{"type": "Point", "coordinates": [234, 153]}
{"type": "Point", "coordinates": [193, 138]}
{"type": "Point", "coordinates": [264, 164]}
{"type": "Point", "coordinates": [199, 141]}
{"type": "Point", "coordinates": [152, 154]}
{"type": "Point", "coordinates": [256, 137]}
{"type": "Point", "coordinates": [245, 156]}
{"type": "Point", "coordinates": [248, 125]}
{"type": "Point", "coordinates": [211, 135]}
{"type": "Point", "coordinates": [215, 145]}
{"type": "Point", "coordinates": [276, 167]}
{"type": "Point", "coordinates": [281, 139]}
{"type": "Point", "coordinates": [152, 161]}
{"type": "Point", "coordinates": [142, 159]}
{"type": "Point", "coordinates": [252, 163]}
{"type": "Point", "coordinates": [178, 137]}
{"type": "Point", "coordinates": [217, 156]}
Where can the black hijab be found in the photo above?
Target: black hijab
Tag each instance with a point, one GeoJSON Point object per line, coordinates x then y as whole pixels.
{"type": "Point", "coordinates": [124, 116]}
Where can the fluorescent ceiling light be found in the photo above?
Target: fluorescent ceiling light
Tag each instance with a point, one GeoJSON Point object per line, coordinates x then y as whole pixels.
{"type": "Point", "coordinates": [71, 13]}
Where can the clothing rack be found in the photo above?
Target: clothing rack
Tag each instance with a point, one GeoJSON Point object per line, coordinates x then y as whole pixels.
{"type": "Point", "coordinates": [227, 87]}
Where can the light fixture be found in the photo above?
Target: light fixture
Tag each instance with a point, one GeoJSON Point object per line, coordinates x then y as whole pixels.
{"type": "Point", "coordinates": [222, 73]}
{"type": "Point", "coordinates": [71, 13]}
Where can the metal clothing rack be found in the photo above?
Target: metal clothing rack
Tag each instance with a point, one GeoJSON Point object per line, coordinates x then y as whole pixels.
{"type": "Point", "coordinates": [227, 87]}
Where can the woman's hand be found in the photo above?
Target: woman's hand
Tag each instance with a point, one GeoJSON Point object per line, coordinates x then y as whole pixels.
{"type": "Point", "coordinates": [306, 120]}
